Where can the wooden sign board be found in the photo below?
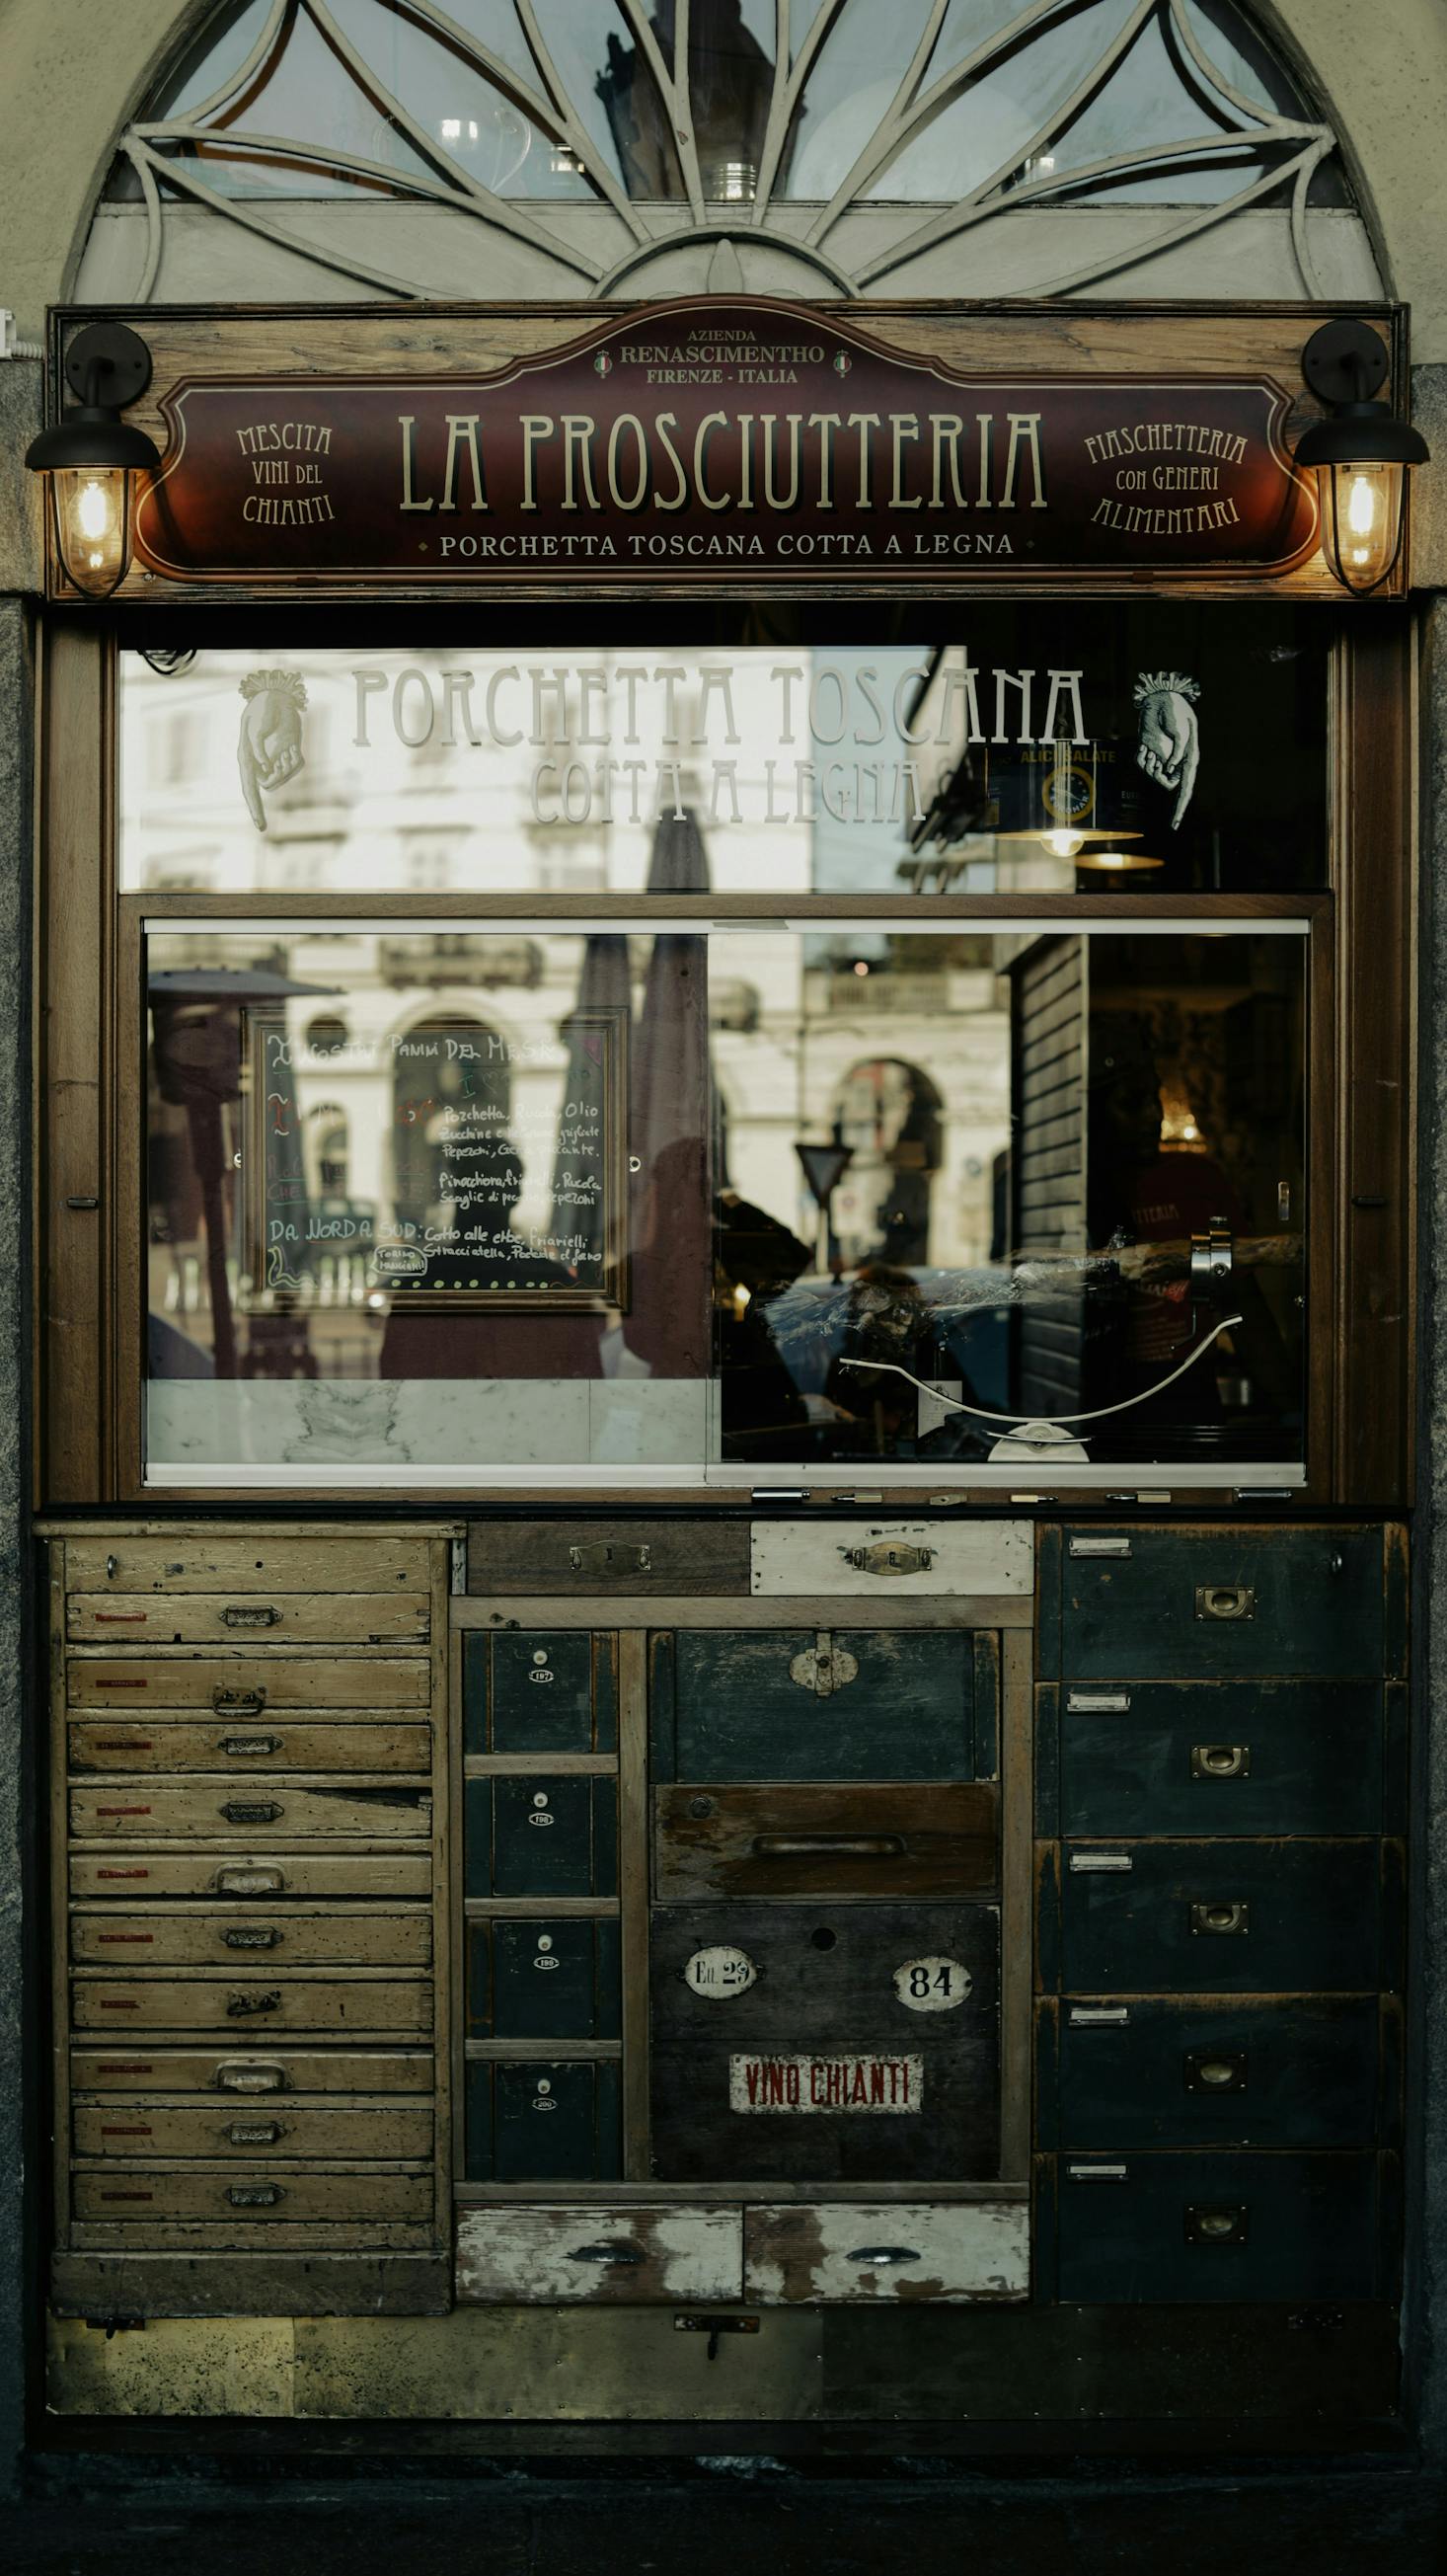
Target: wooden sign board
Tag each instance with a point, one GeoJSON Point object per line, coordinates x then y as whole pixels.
{"type": "Point", "coordinates": [728, 446]}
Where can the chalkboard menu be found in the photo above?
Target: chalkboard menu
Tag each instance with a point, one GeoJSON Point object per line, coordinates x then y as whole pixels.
{"type": "Point", "coordinates": [469, 1143]}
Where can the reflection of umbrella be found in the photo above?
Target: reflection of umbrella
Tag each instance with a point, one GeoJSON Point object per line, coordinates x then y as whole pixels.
{"type": "Point", "coordinates": [198, 1066]}
{"type": "Point", "coordinates": [604, 987]}
{"type": "Point", "coordinates": [673, 1265]}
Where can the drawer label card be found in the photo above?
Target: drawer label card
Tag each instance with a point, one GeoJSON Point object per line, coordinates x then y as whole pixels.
{"type": "Point", "coordinates": [933, 1984]}
{"type": "Point", "coordinates": [719, 1972]}
{"type": "Point", "coordinates": [824, 2084]}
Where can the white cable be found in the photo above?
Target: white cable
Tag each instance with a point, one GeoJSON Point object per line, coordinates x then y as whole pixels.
{"type": "Point", "coordinates": [891, 1368]}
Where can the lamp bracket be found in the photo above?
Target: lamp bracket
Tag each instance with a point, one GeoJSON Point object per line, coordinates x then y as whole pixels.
{"type": "Point", "coordinates": [1344, 362]}
{"type": "Point", "coordinates": [107, 363]}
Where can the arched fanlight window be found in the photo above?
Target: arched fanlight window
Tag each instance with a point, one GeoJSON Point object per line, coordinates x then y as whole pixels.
{"type": "Point", "coordinates": [642, 147]}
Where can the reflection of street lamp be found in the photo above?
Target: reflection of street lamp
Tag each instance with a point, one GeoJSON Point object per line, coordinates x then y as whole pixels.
{"type": "Point", "coordinates": [824, 1169]}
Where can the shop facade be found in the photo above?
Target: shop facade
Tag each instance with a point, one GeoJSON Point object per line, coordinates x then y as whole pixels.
{"type": "Point", "coordinates": [724, 1551]}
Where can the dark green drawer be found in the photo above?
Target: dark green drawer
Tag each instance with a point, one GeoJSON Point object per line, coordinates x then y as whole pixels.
{"type": "Point", "coordinates": [540, 1691]}
{"type": "Point", "coordinates": [528, 1835]}
{"type": "Point", "coordinates": [1141, 1605]}
{"type": "Point", "coordinates": [1221, 1917]}
{"type": "Point", "coordinates": [1224, 2072]}
{"type": "Point", "coordinates": [1220, 1758]}
{"type": "Point", "coordinates": [553, 1977]}
{"type": "Point", "coordinates": [1154, 2229]}
{"type": "Point", "coordinates": [836, 1704]}
{"type": "Point", "coordinates": [553, 2122]}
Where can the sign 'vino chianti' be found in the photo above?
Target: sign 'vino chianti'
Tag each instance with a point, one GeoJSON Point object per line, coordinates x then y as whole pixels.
{"type": "Point", "coordinates": [742, 442]}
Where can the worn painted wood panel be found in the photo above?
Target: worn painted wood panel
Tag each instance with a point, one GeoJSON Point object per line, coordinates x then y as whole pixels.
{"type": "Point", "coordinates": [243, 2074]}
{"type": "Point", "coordinates": [588, 2257]}
{"type": "Point", "coordinates": [1220, 1602]}
{"type": "Point", "coordinates": [540, 1691]}
{"type": "Point", "coordinates": [548, 2120]}
{"type": "Point", "coordinates": [894, 1977]}
{"type": "Point", "coordinates": [142, 2126]}
{"type": "Point", "coordinates": [801, 1840]}
{"type": "Point", "coordinates": [812, 1704]}
{"type": "Point", "coordinates": [345, 1936]}
{"type": "Point", "coordinates": [1218, 1917]}
{"type": "Point", "coordinates": [876, 1560]}
{"type": "Point", "coordinates": [209, 1618]}
{"type": "Point", "coordinates": [260, 1561]}
{"type": "Point", "coordinates": [947, 2130]}
{"type": "Point", "coordinates": [1256, 1757]}
{"type": "Point", "coordinates": [1296, 2071]}
{"type": "Point", "coordinates": [125, 1744]}
{"type": "Point", "coordinates": [250, 2006]}
{"type": "Point", "coordinates": [124, 1876]}
{"type": "Point", "coordinates": [895, 2251]}
{"type": "Point", "coordinates": [1152, 2228]}
{"type": "Point", "coordinates": [553, 1977]}
{"type": "Point", "coordinates": [247, 1683]}
{"type": "Point", "coordinates": [634, 1557]}
{"type": "Point", "coordinates": [222, 1809]}
{"type": "Point", "coordinates": [538, 1836]}
{"type": "Point", "coordinates": [242, 2197]}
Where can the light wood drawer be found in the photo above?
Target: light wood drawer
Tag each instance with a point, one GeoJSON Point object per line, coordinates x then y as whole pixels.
{"type": "Point", "coordinates": [251, 1936]}
{"type": "Point", "coordinates": [129, 1876]}
{"type": "Point", "coordinates": [884, 1561]}
{"type": "Point", "coordinates": [590, 2256]}
{"type": "Point", "coordinates": [261, 1561]}
{"type": "Point", "coordinates": [224, 1809]}
{"type": "Point", "coordinates": [249, 2196]}
{"type": "Point", "coordinates": [242, 2074]}
{"type": "Point", "coordinates": [893, 2250]}
{"type": "Point", "coordinates": [142, 2128]}
{"type": "Point", "coordinates": [251, 2007]}
{"type": "Point", "coordinates": [124, 1744]}
{"type": "Point", "coordinates": [247, 1684]}
{"type": "Point", "coordinates": [797, 1838]}
{"type": "Point", "coordinates": [218, 1618]}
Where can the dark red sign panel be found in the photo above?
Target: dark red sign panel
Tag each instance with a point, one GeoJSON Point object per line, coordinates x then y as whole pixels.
{"type": "Point", "coordinates": [746, 440]}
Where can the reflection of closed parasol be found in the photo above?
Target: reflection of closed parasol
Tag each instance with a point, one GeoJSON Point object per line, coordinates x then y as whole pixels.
{"type": "Point", "coordinates": [196, 1046]}
{"type": "Point", "coordinates": [669, 1319]}
{"type": "Point", "coordinates": [604, 990]}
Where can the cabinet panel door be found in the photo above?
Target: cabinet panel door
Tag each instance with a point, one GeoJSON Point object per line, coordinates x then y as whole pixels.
{"type": "Point", "coordinates": [818, 1704]}
{"type": "Point", "coordinates": [557, 2121]}
{"type": "Point", "coordinates": [1222, 1917]}
{"type": "Point", "coordinates": [1156, 2228]}
{"type": "Point", "coordinates": [1220, 2071]}
{"type": "Point", "coordinates": [553, 1977]}
{"type": "Point", "coordinates": [1215, 1602]}
{"type": "Point", "coordinates": [1221, 1758]}
{"type": "Point", "coordinates": [866, 1840]}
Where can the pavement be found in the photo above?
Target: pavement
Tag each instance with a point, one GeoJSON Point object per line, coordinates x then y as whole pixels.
{"type": "Point", "coordinates": [744, 2517]}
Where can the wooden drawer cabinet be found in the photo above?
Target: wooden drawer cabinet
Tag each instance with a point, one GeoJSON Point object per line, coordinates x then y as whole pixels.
{"type": "Point", "coordinates": [1213, 1603]}
{"type": "Point", "coordinates": [540, 1691]}
{"type": "Point", "coordinates": [542, 1834]}
{"type": "Point", "coordinates": [870, 1841]}
{"type": "Point", "coordinates": [633, 1559]}
{"type": "Point", "coordinates": [1222, 2070]}
{"type": "Point", "coordinates": [587, 2257]}
{"type": "Point", "coordinates": [1221, 1917]}
{"type": "Point", "coordinates": [544, 2120]}
{"type": "Point", "coordinates": [1192, 2228]}
{"type": "Point", "coordinates": [1258, 1757]}
{"type": "Point", "coordinates": [824, 1704]}
{"type": "Point", "coordinates": [895, 2250]}
{"type": "Point", "coordinates": [549, 1977]}
{"type": "Point", "coordinates": [256, 1961]}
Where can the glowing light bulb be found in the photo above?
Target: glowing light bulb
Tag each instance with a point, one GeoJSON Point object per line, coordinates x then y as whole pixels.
{"type": "Point", "coordinates": [93, 511]}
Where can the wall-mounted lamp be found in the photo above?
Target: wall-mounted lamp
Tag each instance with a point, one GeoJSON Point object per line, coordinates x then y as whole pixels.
{"type": "Point", "coordinates": [1361, 453]}
{"type": "Point", "coordinates": [91, 456]}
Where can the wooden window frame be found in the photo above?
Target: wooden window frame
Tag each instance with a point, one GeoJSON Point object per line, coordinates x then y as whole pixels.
{"type": "Point", "coordinates": [1361, 1140]}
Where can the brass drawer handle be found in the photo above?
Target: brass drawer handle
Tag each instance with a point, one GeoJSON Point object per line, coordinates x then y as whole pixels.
{"type": "Point", "coordinates": [1218, 2225]}
{"type": "Point", "coordinates": [258, 2076]}
{"type": "Point", "coordinates": [259, 1880]}
{"type": "Point", "coordinates": [849, 1846]}
{"type": "Point", "coordinates": [255, 2195]}
{"type": "Point", "coordinates": [620, 2254]}
{"type": "Point", "coordinates": [249, 1614]}
{"type": "Point", "coordinates": [1225, 1601]}
{"type": "Point", "coordinates": [255, 2133]}
{"type": "Point", "coordinates": [1220, 1761]}
{"type": "Point", "coordinates": [262, 1936]}
{"type": "Point", "coordinates": [249, 1746]}
{"type": "Point", "coordinates": [252, 1811]}
{"type": "Point", "coordinates": [241, 2006]}
{"type": "Point", "coordinates": [1227, 1918]}
{"type": "Point", "coordinates": [247, 1703]}
{"type": "Point", "coordinates": [1212, 2071]}
{"type": "Point", "coordinates": [881, 2256]}
{"type": "Point", "coordinates": [889, 1556]}
{"type": "Point", "coordinates": [642, 1557]}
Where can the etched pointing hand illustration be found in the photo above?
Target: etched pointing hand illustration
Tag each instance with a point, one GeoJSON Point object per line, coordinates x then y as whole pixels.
{"type": "Point", "coordinates": [270, 747]}
{"type": "Point", "coordinates": [1168, 745]}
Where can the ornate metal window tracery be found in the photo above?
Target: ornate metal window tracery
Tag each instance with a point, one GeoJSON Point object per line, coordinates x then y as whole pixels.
{"type": "Point", "coordinates": [794, 140]}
